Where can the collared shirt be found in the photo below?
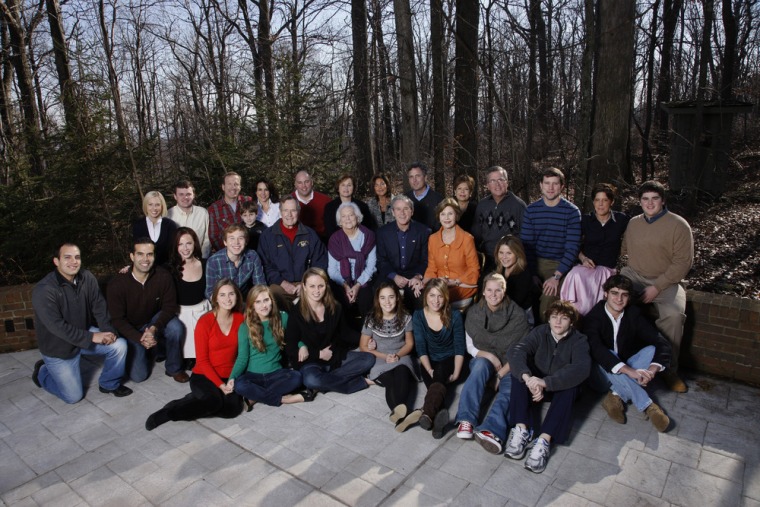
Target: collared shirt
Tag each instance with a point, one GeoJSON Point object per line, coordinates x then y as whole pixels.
{"type": "Point", "coordinates": [268, 218]}
{"type": "Point", "coordinates": [615, 328]}
{"type": "Point", "coordinates": [657, 216]}
{"type": "Point", "coordinates": [401, 235]}
{"type": "Point", "coordinates": [305, 201]}
{"type": "Point", "coordinates": [246, 274]}
{"type": "Point", "coordinates": [221, 215]}
{"type": "Point", "coordinates": [424, 194]}
{"type": "Point", "coordinates": [601, 242]}
{"type": "Point", "coordinates": [154, 230]}
{"type": "Point", "coordinates": [196, 220]}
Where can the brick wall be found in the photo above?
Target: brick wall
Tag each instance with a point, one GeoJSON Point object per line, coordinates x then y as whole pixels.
{"type": "Point", "coordinates": [16, 318]}
{"type": "Point", "coordinates": [722, 336]}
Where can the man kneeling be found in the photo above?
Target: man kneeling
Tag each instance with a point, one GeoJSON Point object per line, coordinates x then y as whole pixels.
{"type": "Point", "coordinates": [65, 302]}
{"type": "Point", "coordinates": [629, 351]}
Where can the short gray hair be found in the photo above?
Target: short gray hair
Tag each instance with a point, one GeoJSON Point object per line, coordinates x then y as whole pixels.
{"type": "Point", "coordinates": [402, 197]}
{"type": "Point", "coordinates": [353, 206]}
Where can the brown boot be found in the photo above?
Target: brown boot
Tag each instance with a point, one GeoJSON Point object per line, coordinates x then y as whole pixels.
{"type": "Point", "coordinates": [660, 421]}
{"type": "Point", "coordinates": [614, 407]}
{"type": "Point", "coordinates": [434, 399]}
{"type": "Point", "coordinates": [674, 382]}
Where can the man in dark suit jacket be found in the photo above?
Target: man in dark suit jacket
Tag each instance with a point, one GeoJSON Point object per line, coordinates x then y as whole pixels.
{"type": "Point", "coordinates": [402, 252]}
{"type": "Point", "coordinates": [629, 350]}
{"type": "Point", "coordinates": [424, 198]}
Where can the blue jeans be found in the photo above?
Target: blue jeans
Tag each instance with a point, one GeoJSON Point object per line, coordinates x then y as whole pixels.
{"type": "Point", "coordinates": [481, 371]}
{"type": "Point", "coordinates": [627, 388]}
{"type": "Point", "coordinates": [140, 360]}
{"type": "Point", "coordinates": [268, 388]}
{"type": "Point", "coordinates": [497, 419]}
{"type": "Point", "coordinates": [63, 378]}
{"type": "Point", "coordinates": [345, 379]}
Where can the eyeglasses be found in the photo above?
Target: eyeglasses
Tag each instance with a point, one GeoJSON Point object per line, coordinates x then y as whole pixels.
{"type": "Point", "coordinates": [498, 180]}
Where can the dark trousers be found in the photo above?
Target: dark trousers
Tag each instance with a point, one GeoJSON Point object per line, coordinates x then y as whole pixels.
{"type": "Point", "coordinates": [268, 388]}
{"type": "Point", "coordinates": [559, 417]}
{"type": "Point", "coordinates": [205, 400]}
{"type": "Point", "coordinates": [397, 383]}
{"type": "Point", "coordinates": [346, 379]}
{"type": "Point", "coordinates": [442, 370]}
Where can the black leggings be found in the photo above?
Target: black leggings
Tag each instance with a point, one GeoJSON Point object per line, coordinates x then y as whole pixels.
{"type": "Point", "coordinates": [205, 399]}
{"type": "Point", "coordinates": [397, 383]}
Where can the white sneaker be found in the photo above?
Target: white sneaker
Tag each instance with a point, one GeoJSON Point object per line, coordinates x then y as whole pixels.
{"type": "Point", "coordinates": [539, 456]}
{"type": "Point", "coordinates": [517, 443]}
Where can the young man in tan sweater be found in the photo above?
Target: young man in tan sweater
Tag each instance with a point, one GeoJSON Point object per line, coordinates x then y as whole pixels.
{"type": "Point", "coordinates": [660, 250]}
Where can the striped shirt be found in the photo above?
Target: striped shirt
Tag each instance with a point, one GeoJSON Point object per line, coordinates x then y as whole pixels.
{"type": "Point", "coordinates": [552, 232]}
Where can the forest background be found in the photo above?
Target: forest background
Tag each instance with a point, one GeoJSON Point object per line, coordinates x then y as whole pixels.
{"type": "Point", "coordinates": [104, 100]}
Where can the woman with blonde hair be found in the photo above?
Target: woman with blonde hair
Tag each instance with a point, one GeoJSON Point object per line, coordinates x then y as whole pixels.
{"type": "Point", "coordinates": [258, 374]}
{"type": "Point", "coordinates": [156, 226]}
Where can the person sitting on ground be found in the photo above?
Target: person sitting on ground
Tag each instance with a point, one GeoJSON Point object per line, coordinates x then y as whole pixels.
{"type": "Point", "coordinates": [380, 204]}
{"type": "Point", "coordinates": [452, 255]}
{"type": "Point", "coordinates": [440, 342]}
{"type": "Point", "coordinates": [346, 186]}
{"type": "Point", "coordinates": [65, 304]}
{"type": "Point", "coordinates": [387, 334]}
{"type": "Point", "coordinates": [602, 231]}
{"type": "Point", "coordinates": [188, 269]}
{"type": "Point", "coordinates": [143, 307]}
{"type": "Point", "coordinates": [216, 348]}
{"type": "Point", "coordinates": [551, 361]}
{"type": "Point", "coordinates": [464, 186]}
{"type": "Point", "coordinates": [513, 265]}
{"type": "Point", "coordinates": [628, 350]}
{"type": "Point", "coordinates": [233, 261]}
{"type": "Point", "coordinates": [156, 226]}
{"type": "Point", "coordinates": [287, 250]}
{"type": "Point", "coordinates": [319, 342]}
{"type": "Point", "coordinates": [258, 374]}
{"type": "Point", "coordinates": [248, 213]}
{"type": "Point", "coordinates": [492, 326]}
{"type": "Point", "coordinates": [352, 261]}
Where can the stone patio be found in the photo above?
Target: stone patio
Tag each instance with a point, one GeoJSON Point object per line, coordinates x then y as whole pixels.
{"type": "Point", "coordinates": [341, 450]}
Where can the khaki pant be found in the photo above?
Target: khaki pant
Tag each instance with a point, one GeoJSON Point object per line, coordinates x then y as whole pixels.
{"type": "Point", "coordinates": [284, 300]}
{"type": "Point", "coordinates": [671, 310]}
{"type": "Point", "coordinates": [546, 269]}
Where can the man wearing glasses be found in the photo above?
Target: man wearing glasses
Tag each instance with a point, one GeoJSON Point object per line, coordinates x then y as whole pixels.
{"type": "Point", "coordinates": [497, 215]}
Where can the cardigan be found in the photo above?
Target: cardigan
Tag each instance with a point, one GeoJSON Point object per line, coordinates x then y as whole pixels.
{"type": "Point", "coordinates": [456, 260]}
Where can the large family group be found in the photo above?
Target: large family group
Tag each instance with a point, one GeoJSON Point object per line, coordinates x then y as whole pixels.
{"type": "Point", "coordinates": [275, 300]}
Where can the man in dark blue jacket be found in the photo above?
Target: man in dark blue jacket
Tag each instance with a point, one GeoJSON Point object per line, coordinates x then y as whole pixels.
{"type": "Point", "coordinates": [402, 252]}
{"type": "Point", "coordinates": [287, 249]}
{"type": "Point", "coordinates": [67, 302]}
{"type": "Point", "coordinates": [629, 350]}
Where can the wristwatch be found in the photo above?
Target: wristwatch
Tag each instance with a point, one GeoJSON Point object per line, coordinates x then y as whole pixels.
{"type": "Point", "coordinates": [557, 276]}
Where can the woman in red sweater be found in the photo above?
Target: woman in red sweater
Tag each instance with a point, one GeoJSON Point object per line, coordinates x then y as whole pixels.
{"type": "Point", "coordinates": [216, 345]}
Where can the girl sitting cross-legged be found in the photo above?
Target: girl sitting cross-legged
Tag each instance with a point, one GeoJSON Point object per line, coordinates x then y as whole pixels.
{"type": "Point", "coordinates": [259, 374]}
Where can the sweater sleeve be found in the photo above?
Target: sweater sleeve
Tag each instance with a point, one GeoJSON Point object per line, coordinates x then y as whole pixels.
{"type": "Point", "coordinates": [117, 307]}
{"type": "Point", "coordinates": [528, 238]}
{"type": "Point", "coordinates": [457, 328]}
{"type": "Point", "coordinates": [244, 350]}
{"type": "Point", "coordinates": [48, 312]}
{"type": "Point", "coordinates": [204, 332]}
{"type": "Point", "coordinates": [370, 266]}
{"type": "Point", "coordinates": [523, 350]}
{"type": "Point", "coordinates": [420, 333]}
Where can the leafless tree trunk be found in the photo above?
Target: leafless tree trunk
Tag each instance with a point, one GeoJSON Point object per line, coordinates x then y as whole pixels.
{"type": "Point", "coordinates": [387, 148]}
{"type": "Point", "coordinates": [440, 123]}
{"type": "Point", "coordinates": [670, 13]}
{"type": "Point", "coordinates": [610, 138]}
{"type": "Point", "coordinates": [587, 101]}
{"type": "Point", "coordinates": [24, 79]}
{"type": "Point", "coordinates": [729, 53]}
{"type": "Point", "coordinates": [113, 81]}
{"type": "Point", "coordinates": [362, 135]}
{"type": "Point", "coordinates": [408, 81]}
{"type": "Point", "coordinates": [646, 150]}
{"type": "Point", "coordinates": [466, 88]}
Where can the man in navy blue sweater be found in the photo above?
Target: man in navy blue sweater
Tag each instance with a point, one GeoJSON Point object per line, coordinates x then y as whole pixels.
{"type": "Point", "coordinates": [551, 233]}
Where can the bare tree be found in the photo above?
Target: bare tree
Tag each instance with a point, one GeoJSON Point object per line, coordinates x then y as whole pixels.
{"type": "Point", "coordinates": [407, 75]}
{"type": "Point", "coordinates": [362, 135]}
{"type": "Point", "coordinates": [466, 87]}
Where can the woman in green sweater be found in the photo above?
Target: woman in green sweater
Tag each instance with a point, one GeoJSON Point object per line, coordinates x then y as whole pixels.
{"type": "Point", "coordinates": [258, 374]}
